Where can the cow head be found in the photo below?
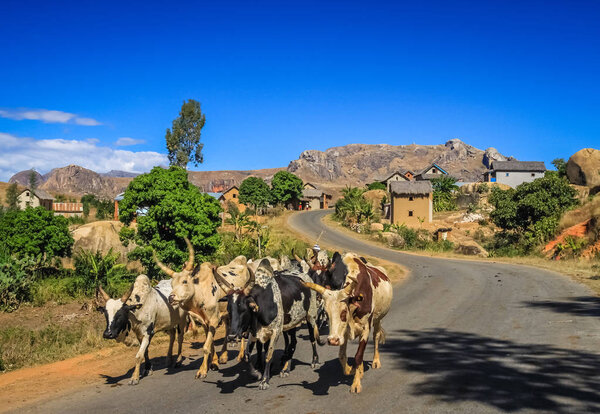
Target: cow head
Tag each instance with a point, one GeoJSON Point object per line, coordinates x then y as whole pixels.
{"type": "Point", "coordinates": [116, 313]}
{"type": "Point", "coordinates": [240, 304]}
{"type": "Point", "coordinates": [182, 282]}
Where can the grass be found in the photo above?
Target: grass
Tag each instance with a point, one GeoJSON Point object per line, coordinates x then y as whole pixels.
{"type": "Point", "coordinates": [591, 208]}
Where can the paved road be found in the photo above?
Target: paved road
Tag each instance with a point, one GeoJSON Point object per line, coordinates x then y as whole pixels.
{"type": "Point", "coordinates": [463, 336]}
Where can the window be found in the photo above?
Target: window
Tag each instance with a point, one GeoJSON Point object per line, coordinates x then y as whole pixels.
{"type": "Point", "coordinates": [27, 193]}
{"type": "Point", "coordinates": [410, 213]}
{"type": "Point", "coordinates": [507, 174]}
{"type": "Point", "coordinates": [234, 195]}
{"type": "Point", "coordinates": [411, 199]}
{"type": "Point", "coordinates": [433, 171]}
{"type": "Point", "coordinates": [533, 174]}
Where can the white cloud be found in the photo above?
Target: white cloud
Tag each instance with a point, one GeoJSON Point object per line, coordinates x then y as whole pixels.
{"type": "Point", "coordinates": [47, 116]}
{"type": "Point", "coordinates": [44, 154]}
{"type": "Point", "coordinates": [125, 141]}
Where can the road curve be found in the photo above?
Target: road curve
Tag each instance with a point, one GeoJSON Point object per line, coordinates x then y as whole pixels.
{"type": "Point", "coordinates": [462, 336]}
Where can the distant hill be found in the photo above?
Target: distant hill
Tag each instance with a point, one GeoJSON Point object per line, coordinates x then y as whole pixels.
{"type": "Point", "coordinates": [332, 169]}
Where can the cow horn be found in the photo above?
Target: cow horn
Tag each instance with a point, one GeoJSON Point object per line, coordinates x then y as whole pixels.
{"type": "Point", "coordinates": [223, 284]}
{"type": "Point", "coordinates": [190, 263]}
{"type": "Point", "coordinates": [298, 259]}
{"type": "Point", "coordinates": [317, 288]}
{"type": "Point", "coordinates": [162, 267]}
{"type": "Point", "coordinates": [101, 291]}
{"type": "Point", "coordinates": [127, 294]}
{"type": "Point", "coordinates": [250, 282]}
{"type": "Point", "coordinates": [352, 282]}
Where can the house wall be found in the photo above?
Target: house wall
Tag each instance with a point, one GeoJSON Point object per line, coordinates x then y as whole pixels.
{"type": "Point", "coordinates": [395, 177]}
{"type": "Point", "coordinates": [233, 196]}
{"type": "Point", "coordinates": [515, 178]}
{"type": "Point", "coordinates": [433, 170]}
{"type": "Point", "coordinates": [24, 200]}
{"type": "Point", "coordinates": [420, 205]}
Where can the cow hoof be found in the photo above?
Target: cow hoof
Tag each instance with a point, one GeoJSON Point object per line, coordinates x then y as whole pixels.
{"type": "Point", "coordinates": [200, 375]}
{"type": "Point", "coordinates": [263, 386]}
{"type": "Point", "coordinates": [284, 374]}
{"type": "Point", "coordinates": [223, 358]}
{"type": "Point", "coordinates": [356, 389]}
{"type": "Point", "coordinates": [134, 381]}
{"type": "Point", "coordinates": [376, 365]}
{"type": "Point", "coordinates": [315, 365]}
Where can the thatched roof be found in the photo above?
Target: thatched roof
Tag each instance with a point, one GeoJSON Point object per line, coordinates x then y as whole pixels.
{"type": "Point", "coordinates": [528, 166]}
{"type": "Point", "coordinates": [41, 194]}
{"type": "Point", "coordinates": [411, 187]}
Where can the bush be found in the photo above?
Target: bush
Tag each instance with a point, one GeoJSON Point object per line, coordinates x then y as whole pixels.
{"type": "Point", "coordinates": [96, 268]}
{"type": "Point", "coordinates": [377, 186]}
{"type": "Point", "coordinates": [15, 281]}
{"type": "Point", "coordinates": [353, 208]}
{"type": "Point", "coordinates": [443, 193]}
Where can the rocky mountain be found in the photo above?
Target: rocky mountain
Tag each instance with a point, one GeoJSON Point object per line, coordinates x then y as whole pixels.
{"type": "Point", "coordinates": [76, 180]}
{"type": "Point", "coordinates": [119, 174]}
{"type": "Point", "coordinates": [360, 164]}
{"type": "Point", "coordinates": [22, 178]}
{"type": "Point", "coordinates": [219, 181]}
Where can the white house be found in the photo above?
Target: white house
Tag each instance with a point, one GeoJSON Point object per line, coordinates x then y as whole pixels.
{"type": "Point", "coordinates": [36, 198]}
{"type": "Point", "coordinates": [513, 173]}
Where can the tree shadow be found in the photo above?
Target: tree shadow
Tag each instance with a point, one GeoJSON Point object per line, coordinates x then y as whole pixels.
{"type": "Point", "coordinates": [579, 306]}
{"type": "Point", "coordinates": [509, 376]}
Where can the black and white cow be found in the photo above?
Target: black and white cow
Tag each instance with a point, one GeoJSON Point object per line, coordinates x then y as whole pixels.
{"type": "Point", "coordinates": [275, 303]}
{"type": "Point", "coordinates": [143, 310]}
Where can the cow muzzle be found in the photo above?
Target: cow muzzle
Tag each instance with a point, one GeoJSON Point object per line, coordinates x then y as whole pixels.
{"type": "Point", "coordinates": [108, 335]}
{"type": "Point", "coordinates": [172, 300]}
{"type": "Point", "coordinates": [333, 341]}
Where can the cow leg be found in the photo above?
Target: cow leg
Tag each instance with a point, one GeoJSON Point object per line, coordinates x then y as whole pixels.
{"type": "Point", "coordinates": [170, 350]}
{"type": "Point", "coordinates": [344, 359]}
{"type": "Point", "coordinates": [359, 368]}
{"type": "Point", "coordinates": [147, 363]}
{"type": "Point", "coordinates": [248, 352]}
{"type": "Point", "coordinates": [264, 383]}
{"type": "Point", "coordinates": [180, 333]}
{"type": "Point", "coordinates": [378, 336]}
{"type": "Point", "coordinates": [208, 347]}
{"type": "Point", "coordinates": [290, 348]}
{"type": "Point", "coordinates": [224, 355]}
{"type": "Point", "coordinates": [313, 332]}
{"type": "Point", "coordinates": [135, 378]}
{"type": "Point", "coordinates": [242, 350]}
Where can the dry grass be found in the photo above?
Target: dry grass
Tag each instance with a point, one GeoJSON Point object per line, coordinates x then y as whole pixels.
{"type": "Point", "coordinates": [591, 208]}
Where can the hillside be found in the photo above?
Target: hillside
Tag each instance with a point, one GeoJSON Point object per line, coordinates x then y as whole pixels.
{"type": "Point", "coordinates": [333, 169]}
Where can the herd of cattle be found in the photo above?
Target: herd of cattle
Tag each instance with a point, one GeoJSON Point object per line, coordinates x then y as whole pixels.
{"type": "Point", "coordinates": [264, 299]}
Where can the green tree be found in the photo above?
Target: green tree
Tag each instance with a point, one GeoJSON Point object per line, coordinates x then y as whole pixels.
{"type": "Point", "coordinates": [443, 197]}
{"type": "Point", "coordinates": [167, 207]}
{"type": "Point", "coordinates": [32, 184]}
{"type": "Point", "coordinates": [285, 187]}
{"type": "Point", "coordinates": [35, 232]}
{"type": "Point", "coordinates": [561, 166]}
{"type": "Point", "coordinates": [183, 141]}
{"type": "Point", "coordinates": [12, 194]}
{"type": "Point", "coordinates": [255, 191]}
{"type": "Point", "coordinates": [353, 207]}
{"type": "Point", "coordinates": [377, 185]}
{"type": "Point", "coordinates": [533, 210]}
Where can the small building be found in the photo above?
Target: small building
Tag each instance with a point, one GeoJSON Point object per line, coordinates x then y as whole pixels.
{"type": "Point", "coordinates": [314, 199]}
{"type": "Point", "coordinates": [68, 209]}
{"type": "Point", "coordinates": [36, 198]}
{"type": "Point", "coordinates": [432, 171]}
{"type": "Point", "coordinates": [309, 185]}
{"type": "Point", "coordinates": [412, 202]}
{"type": "Point", "coordinates": [232, 195]}
{"type": "Point", "coordinates": [395, 176]}
{"type": "Point", "coordinates": [513, 173]}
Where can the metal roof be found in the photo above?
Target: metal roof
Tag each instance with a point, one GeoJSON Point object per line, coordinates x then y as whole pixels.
{"type": "Point", "coordinates": [519, 166]}
{"type": "Point", "coordinates": [215, 195]}
{"type": "Point", "coordinates": [411, 187]}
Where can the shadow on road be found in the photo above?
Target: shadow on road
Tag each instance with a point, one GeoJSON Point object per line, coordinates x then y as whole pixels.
{"type": "Point", "coordinates": [580, 306]}
{"type": "Point", "coordinates": [504, 374]}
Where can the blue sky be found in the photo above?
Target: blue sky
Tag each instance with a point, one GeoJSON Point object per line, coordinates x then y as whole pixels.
{"type": "Point", "coordinates": [276, 78]}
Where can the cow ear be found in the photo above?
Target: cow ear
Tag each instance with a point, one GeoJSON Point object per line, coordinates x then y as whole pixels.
{"type": "Point", "coordinates": [252, 305]}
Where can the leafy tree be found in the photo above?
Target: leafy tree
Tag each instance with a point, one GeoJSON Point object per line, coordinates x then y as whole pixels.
{"type": "Point", "coordinates": [255, 191]}
{"type": "Point", "coordinates": [285, 187]}
{"type": "Point", "coordinates": [104, 208]}
{"type": "Point", "coordinates": [167, 207]}
{"type": "Point", "coordinates": [32, 184]}
{"type": "Point", "coordinates": [353, 207]}
{"type": "Point", "coordinates": [532, 210]}
{"type": "Point", "coordinates": [561, 166]}
{"type": "Point", "coordinates": [443, 189]}
{"type": "Point", "coordinates": [35, 232]}
{"type": "Point", "coordinates": [183, 142]}
{"type": "Point", "coordinates": [377, 185]}
{"type": "Point", "coordinates": [12, 194]}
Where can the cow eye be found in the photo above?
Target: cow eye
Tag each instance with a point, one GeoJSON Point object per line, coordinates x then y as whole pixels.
{"type": "Point", "coordinates": [343, 315]}
{"type": "Point", "coordinates": [184, 282]}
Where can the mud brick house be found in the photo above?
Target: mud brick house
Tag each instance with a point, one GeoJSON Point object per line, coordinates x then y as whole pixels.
{"type": "Point", "coordinates": [411, 201]}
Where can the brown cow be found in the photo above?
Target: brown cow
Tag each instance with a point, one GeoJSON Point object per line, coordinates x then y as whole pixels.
{"type": "Point", "coordinates": [355, 310]}
{"type": "Point", "coordinates": [196, 291]}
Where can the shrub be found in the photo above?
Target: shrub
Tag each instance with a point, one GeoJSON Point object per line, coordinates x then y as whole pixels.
{"type": "Point", "coordinates": [15, 281]}
{"type": "Point", "coordinates": [93, 268]}
{"type": "Point", "coordinates": [443, 193]}
{"type": "Point", "coordinates": [353, 208]}
{"type": "Point", "coordinates": [377, 186]}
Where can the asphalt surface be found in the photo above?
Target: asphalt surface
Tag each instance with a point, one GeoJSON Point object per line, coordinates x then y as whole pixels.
{"type": "Point", "coordinates": [462, 336]}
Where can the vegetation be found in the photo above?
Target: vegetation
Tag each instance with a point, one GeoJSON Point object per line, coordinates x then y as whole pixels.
{"type": "Point", "coordinates": [168, 208]}
{"type": "Point", "coordinates": [285, 187]}
{"type": "Point", "coordinates": [254, 191]}
{"type": "Point", "coordinates": [12, 194]}
{"type": "Point", "coordinates": [105, 209]}
{"type": "Point", "coordinates": [93, 268]}
{"type": "Point", "coordinates": [183, 141]}
{"type": "Point", "coordinates": [443, 193]}
{"type": "Point", "coordinates": [561, 166]}
{"type": "Point", "coordinates": [353, 207]}
{"type": "Point", "coordinates": [377, 186]}
{"type": "Point", "coordinates": [529, 214]}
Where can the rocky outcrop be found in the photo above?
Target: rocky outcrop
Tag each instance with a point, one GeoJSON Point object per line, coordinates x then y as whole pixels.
{"type": "Point", "coordinates": [23, 177]}
{"type": "Point", "coordinates": [491, 154]}
{"type": "Point", "coordinates": [471, 248]}
{"type": "Point", "coordinates": [583, 168]}
{"type": "Point", "coordinates": [74, 179]}
{"type": "Point", "coordinates": [358, 164]}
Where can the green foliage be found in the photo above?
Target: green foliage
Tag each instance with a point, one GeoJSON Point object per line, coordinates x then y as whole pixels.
{"type": "Point", "coordinates": [240, 221]}
{"type": "Point", "coordinates": [483, 188]}
{"type": "Point", "coordinates": [255, 191]}
{"type": "Point", "coordinates": [172, 208]}
{"type": "Point", "coordinates": [377, 186]}
{"type": "Point", "coordinates": [183, 142]}
{"type": "Point", "coordinates": [93, 268]}
{"type": "Point", "coordinates": [32, 183]}
{"type": "Point", "coordinates": [15, 281]}
{"type": "Point", "coordinates": [104, 208]}
{"type": "Point", "coordinates": [561, 166]}
{"type": "Point", "coordinates": [35, 232]}
{"type": "Point", "coordinates": [285, 187]}
{"type": "Point", "coordinates": [413, 239]}
{"type": "Point", "coordinates": [443, 193]}
{"type": "Point", "coordinates": [353, 207]}
{"type": "Point", "coordinates": [12, 194]}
